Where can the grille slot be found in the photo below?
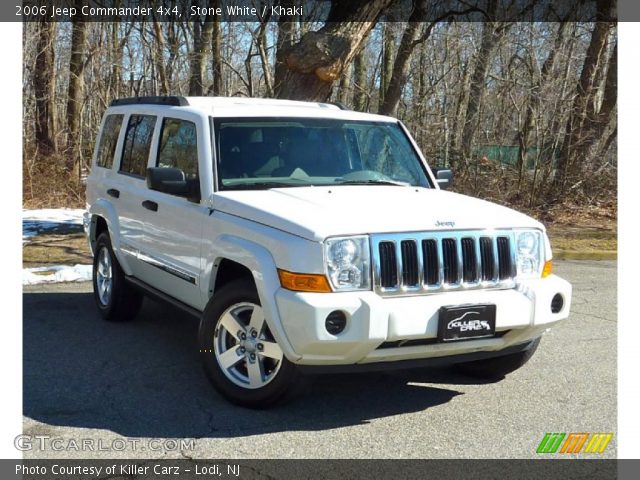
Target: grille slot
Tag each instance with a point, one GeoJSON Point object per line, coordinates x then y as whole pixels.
{"type": "Point", "coordinates": [487, 259]}
{"type": "Point", "coordinates": [388, 265]}
{"type": "Point", "coordinates": [450, 260]}
{"type": "Point", "coordinates": [409, 263]}
{"type": "Point", "coordinates": [469, 261]}
{"type": "Point", "coordinates": [428, 262]}
{"type": "Point", "coordinates": [504, 257]}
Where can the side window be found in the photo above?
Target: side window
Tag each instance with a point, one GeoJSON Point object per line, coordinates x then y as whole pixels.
{"type": "Point", "coordinates": [108, 141]}
{"type": "Point", "coordinates": [179, 147]}
{"type": "Point", "coordinates": [137, 144]}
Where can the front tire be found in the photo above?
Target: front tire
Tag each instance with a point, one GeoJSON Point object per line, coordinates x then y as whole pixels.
{"type": "Point", "coordinates": [240, 355]}
{"type": "Point", "coordinates": [116, 301]}
{"type": "Point", "coordinates": [498, 367]}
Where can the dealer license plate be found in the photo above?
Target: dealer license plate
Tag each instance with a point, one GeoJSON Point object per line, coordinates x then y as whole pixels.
{"type": "Point", "coordinates": [466, 322]}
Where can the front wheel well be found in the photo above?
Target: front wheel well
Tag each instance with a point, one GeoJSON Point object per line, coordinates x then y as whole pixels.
{"type": "Point", "coordinates": [101, 226]}
{"type": "Point", "coordinates": [98, 225]}
{"type": "Point", "coordinates": [228, 271]}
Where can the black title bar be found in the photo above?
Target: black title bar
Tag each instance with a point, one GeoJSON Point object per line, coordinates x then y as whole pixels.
{"type": "Point", "coordinates": [313, 10]}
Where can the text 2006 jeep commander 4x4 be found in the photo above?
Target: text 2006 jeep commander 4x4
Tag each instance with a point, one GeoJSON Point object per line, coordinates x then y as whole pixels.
{"type": "Point", "coordinates": [309, 237]}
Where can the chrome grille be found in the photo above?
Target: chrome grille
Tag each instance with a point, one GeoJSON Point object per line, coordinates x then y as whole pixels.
{"type": "Point", "coordinates": [417, 263]}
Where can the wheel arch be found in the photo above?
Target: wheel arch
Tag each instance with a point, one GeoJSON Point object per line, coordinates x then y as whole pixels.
{"type": "Point", "coordinates": [235, 258]}
{"type": "Point", "coordinates": [227, 271]}
{"type": "Point", "coordinates": [105, 218]}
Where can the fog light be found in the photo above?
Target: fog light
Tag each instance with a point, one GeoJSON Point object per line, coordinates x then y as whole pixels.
{"type": "Point", "coordinates": [557, 303]}
{"type": "Point", "coordinates": [336, 322]}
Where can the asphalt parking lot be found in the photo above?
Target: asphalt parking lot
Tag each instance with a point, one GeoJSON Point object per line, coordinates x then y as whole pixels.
{"type": "Point", "coordinates": [88, 379]}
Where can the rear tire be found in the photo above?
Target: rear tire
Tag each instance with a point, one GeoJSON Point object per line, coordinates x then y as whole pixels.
{"type": "Point", "coordinates": [240, 355]}
{"type": "Point", "coordinates": [498, 367]}
{"type": "Point", "coordinates": [116, 301]}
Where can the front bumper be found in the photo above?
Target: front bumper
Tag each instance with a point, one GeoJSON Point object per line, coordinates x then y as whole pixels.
{"type": "Point", "coordinates": [377, 327]}
{"type": "Point", "coordinates": [428, 362]}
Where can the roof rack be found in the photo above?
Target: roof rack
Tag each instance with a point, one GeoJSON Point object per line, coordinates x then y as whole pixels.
{"type": "Point", "coordinates": [172, 101]}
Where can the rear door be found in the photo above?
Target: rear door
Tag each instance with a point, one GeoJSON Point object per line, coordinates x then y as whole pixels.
{"type": "Point", "coordinates": [129, 185]}
{"type": "Point", "coordinates": [171, 247]}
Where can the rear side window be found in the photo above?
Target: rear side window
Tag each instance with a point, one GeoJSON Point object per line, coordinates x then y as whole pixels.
{"type": "Point", "coordinates": [137, 144]}
{"type": "Point", "coordinates": [108, 140]}
{"type": "Point", "coordinates": [179, 147]}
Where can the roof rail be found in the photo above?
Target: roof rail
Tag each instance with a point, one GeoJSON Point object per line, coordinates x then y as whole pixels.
{"type": "Point", "coordinates": [340, 105]}
{"type": "Point", "coordinates": [173, 101]}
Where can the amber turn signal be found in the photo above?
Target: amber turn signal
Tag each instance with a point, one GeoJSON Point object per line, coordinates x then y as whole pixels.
{"type": "Point", "coordinates": [304, 282]}
{"type": "Point", "coordinates": [547, 269]}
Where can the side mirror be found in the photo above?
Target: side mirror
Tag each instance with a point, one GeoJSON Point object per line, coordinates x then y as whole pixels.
{"type": "Point", "coordinates": [172, 181]}
{"type": "Point", "coordinates": [444, 177]}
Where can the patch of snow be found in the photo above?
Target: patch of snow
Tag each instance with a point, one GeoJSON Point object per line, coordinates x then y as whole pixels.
{"type": "Point", "coordinates": [56, 273]}
{"type": "Point", "coordinates": [64, 220]}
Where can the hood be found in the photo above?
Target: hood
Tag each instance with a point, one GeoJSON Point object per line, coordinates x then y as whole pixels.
{"type": "Point", "coordinates": [316, 213]}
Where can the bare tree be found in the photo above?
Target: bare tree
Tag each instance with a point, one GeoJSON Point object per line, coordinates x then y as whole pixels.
{"type": "Point", "coordinates": [319, 58]}
{"type": "Point", "coordinates": [201, 40]}
{"type": "Point", "coordinates": [75, 93]}
{"type": "Point", "coordinates": [415, 33]}
{"type": "Point", "coordinates": [588, 114]}
{"type": "Point", "coordinates": [492, 32]}
{"type": "Point", "coordinates": [44, 86]}
{"type": "Point", "coordinates": [386, 66]}
{"type": "Point", "coordinates": [216, 55]}
{"type": "Point", "coordinates": [533, 104]}
{"type": "Point", "coordinates": [286, 33]}
{"type": "Point", "coordinates": [544, 93]}
{"type": "Point", "coordinates": [158, 56]}
{"type": "Point", "coordinates": [360, 81]}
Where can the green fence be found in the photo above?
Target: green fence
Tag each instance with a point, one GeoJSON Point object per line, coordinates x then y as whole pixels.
{"type": "Point", "coordinates": [506, 154]}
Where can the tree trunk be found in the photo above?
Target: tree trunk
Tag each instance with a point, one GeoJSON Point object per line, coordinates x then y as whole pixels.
{"type": "Point", "coordinates": [345, 85]}
{"type": "Point", "coordinates": [286, 32]}
{"type": "Point", "coordinates": [319, 58]}
{"type": "Point", "coordinates": [460, 112]}
{"type": "Point", "coordinates": [491, 33]}
{"type": "Point", "coordinates": [398, 77]}
{"type": "Point", "coordinates": [360, 80]}
{"type": "Point", "coordinates": [75, 91]}
{"type": "Point", "coordinates": [158, 57]}
{"type": "Point", "coordinates": [44, 85]}
{"type": "Point", "coordinates": [386, 68]}
{"type": "Point", "coordinates": [261, 43]}
{"type": "Point", "coordinates": [201, 39]}
{"type": "Point", "coordinates": [216, 57]}
{"type": "Point", "coordinates": [115, 58]}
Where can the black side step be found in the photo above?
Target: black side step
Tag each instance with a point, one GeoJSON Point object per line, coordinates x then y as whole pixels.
{"type": "Point", "coordinates": [163, 297]}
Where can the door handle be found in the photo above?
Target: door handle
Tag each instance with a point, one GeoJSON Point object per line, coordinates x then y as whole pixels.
{"type": "Point", "coordinates": [149, 205]}
{"type": "Point", "coordinates": [113, 192]}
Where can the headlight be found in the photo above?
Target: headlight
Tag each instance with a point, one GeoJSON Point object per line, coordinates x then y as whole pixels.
{"type": "Point", "coordinates": [348, 263]}
{"type": "Point", "coordinates": [529, 253]}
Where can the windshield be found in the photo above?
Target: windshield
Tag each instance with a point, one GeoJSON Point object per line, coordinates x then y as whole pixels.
{"type": "Point", "coordinates": [262, 153]}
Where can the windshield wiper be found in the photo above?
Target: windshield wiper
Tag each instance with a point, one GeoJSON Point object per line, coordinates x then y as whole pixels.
{"type": "Point", "coordinates": [375, 182]}
{"type": "Point", "coordinates": [263, 185]}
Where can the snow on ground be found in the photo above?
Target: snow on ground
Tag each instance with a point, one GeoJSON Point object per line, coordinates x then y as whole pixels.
{"type": "Point", "coordinates": [52, 220]}
{"type": "Point", "coordinates": [56, 273]}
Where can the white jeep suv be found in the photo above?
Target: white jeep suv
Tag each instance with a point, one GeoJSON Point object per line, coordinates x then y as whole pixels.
{"type": "Point", "coordinates": [307, 237]}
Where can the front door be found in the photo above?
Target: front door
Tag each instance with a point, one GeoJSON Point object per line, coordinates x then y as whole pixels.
{"type": "Point", "coordinates": [171, 245]}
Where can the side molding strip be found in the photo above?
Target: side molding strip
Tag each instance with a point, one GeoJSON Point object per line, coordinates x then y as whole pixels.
{"type": "Point", "coordinates": [165, 267]}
